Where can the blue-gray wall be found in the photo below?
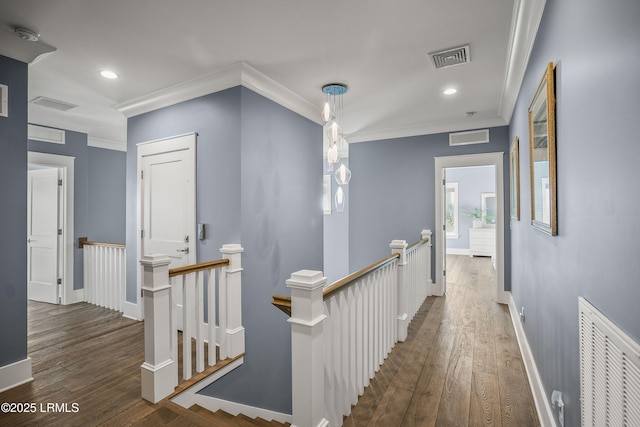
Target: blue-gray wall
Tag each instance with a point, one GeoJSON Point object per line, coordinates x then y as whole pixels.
{"type": "Point", "coordinates": [13, 212]}
{"type": "Point", "coordinates": [472, 182]}
{"type": "Point", "coordinates": [259, 182]}
{"type": "Point", "coordinates": [596, 46]}
{"type": "Point", "coordinates": [107, 186]}
{"type": "Point", "coordinates": [392, 191]}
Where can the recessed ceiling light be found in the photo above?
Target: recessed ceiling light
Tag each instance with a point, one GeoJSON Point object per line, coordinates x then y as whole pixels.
{"type": "Point", "coordinates": [450, 91]}
{"type": "Point", "coordinates": [107, 74]}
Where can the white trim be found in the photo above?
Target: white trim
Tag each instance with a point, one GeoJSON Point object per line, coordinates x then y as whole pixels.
{"type": "Point", "coordinates": [107, 144]}
{"type": "Point", "coordinates": [525, 21]}
{"type": "Point", "coordinates": [65, 163]}
{"type": "Point", "coordinates": [76, 295]}
{"type": "Point", "coordinates": [238, 74]}
{"type": "Point", "coordinates": [483, 159]}
{"type": "Point", "coordinates": [15, 374]}
{"type": "Point", "coordinates": [131, 310]}
{"type": "Point", "coordinates": [545, 414]}
{"type": "Point", "coordinates": [457, 251]}
{"type": "Point", "coordinates": [191, 397]}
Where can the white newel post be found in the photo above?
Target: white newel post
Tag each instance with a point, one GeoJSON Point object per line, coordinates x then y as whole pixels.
{"type": "Point", "coordinates": [426, 234]}
{"type": "Point", "coordinates": [158, 372]}
{"type": "Point", "coordinates": [307, 348]}
{"type": "Point", "coordinates": [234, 330]}
{"type": "Point", "coordinates": [400, 247]}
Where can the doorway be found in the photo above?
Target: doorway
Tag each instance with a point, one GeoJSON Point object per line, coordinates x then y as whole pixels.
{"type": "Point", "coordinates": [472, 160]}
{"type": "Point", "coordinates": [167, 202]}
{"type": "Point", "coordinates": [52, 253]}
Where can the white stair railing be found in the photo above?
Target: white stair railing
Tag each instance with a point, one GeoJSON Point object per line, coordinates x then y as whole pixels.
{"type": "Point", "coordinates": [218, 323]}
{"type": "Point", "coordinates": [104, 273]}
{"type": "Point", "coordinates": [341, 334]}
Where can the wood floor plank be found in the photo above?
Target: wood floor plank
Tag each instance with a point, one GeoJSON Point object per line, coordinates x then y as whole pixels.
{"type": "Point", "coordinates": [90, 356]}
{"type": "Point", "coordinates": [456, 345]}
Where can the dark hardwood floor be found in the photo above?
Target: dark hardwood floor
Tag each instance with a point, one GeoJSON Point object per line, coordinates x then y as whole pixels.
{"type": "Point", "coordinates": [460, 366]}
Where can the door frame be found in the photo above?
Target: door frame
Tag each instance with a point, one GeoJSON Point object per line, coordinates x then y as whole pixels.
{"type": "Point", "coordinates": [187, 142]}
{"type": "Point", "coordinates": [66, 166]}
{"type": "Point", "coordinates": [469, 160]}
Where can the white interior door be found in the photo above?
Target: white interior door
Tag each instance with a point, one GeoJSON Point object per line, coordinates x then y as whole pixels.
{"type": "Point", "coordinates": [167, 208]}
{"type": "Point", "coordinates": [168, 202]}
{"type": "Point", "coordinates": [43, 241]}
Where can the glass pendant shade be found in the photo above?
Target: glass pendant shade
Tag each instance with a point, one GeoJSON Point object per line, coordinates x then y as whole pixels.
{"type": "Point", "coordinates": [334, 131]}
{"type": "Point", "coordinates": [343, 175]}
{"type": "Point", "coordinates": [326, 112]}
{"type": "Point", "coordinates": [340, 200]}
{"type": "Point", "coordinates": [333, 154]}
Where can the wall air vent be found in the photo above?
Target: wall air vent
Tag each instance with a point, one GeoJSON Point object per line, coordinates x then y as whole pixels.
{"type": "Point", "coordinates": [53, 103]}
{"type": "Point", "coordinates": [450, 57]}
{"type": "Point", "coordinates": [45, 134]}
{"type": "Point", "coordinates": [4, 101]}
{"type": "Point", "coordinates": [467, 138]}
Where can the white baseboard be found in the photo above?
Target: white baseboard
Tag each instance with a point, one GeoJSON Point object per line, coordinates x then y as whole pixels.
{"type": "Point", "coordinates": [545, 414]}
{"type": "Point", "coordinates": [458, 251]}
{"type": "Point", "coordinates": [76, 296]}
{"type": "Point", "coordinates": [15, 374]}
{"type": "Point", "coordinates": [131, 310]}
{"type": "Point", "coordinates": [191, 397]}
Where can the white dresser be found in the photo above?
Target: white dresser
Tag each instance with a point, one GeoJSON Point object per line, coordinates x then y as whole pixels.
{"type": "Point", "coordinates": [482, 241]}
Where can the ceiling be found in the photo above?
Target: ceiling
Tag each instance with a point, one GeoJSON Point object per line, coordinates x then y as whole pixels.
{"type": "Point", "coordinates": [166, 51]}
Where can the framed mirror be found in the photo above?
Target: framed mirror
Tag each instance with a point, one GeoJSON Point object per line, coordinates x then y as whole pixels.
{"type": "Point", "coordinates": [542, 155]}
{"type": "Point", "coordinates": [514, 178]}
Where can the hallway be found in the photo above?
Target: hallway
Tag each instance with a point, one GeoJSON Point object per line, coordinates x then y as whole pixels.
{"type": "Point", "coordinates": [460, 364]}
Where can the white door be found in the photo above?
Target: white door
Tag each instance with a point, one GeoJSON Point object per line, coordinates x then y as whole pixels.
{"type": "Point", "coordinates": [168, 202]}
{"type": "Point", "coordinates": [43, 240]}
{"type": "Point", "coordinates": [168, 226]}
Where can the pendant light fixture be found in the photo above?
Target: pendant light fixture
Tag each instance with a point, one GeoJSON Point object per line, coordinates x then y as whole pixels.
{"type": "Point", "coordinates": [332, 117]}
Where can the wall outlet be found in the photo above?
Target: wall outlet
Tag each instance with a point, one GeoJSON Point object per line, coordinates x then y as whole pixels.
{"type": "Point", "coordinates": [522, 314]}
{"type": "Point", "coordinates": [558, 404]}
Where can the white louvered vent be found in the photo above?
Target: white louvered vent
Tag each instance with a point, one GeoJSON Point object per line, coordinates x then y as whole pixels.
{"type": "Point", "coordinates": [609, 371]}
{"type": "Point", "coordinates": [450, 57]}
{"type": "Point", "coordinates": [4, 101]}
{"type": "Point", "coordinates": [53, 103]}
{"type": "Point", "coordinates": [467, 138]}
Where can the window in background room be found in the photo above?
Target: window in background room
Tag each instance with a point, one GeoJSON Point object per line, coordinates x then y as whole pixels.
{"type": "Point", "coordinates": [451, 211]}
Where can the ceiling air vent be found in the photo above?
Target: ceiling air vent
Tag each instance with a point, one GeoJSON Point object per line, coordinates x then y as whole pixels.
{"type": "Point", "coordinates": [451, 57]}
{"type": "Point", "coordinates": [53, 103]}
{"type": "Point", "coordinates": [4, 104]}
{"type": "Point", "coordinates": [468, 138]}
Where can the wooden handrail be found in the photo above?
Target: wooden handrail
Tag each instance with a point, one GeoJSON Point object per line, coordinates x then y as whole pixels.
{"type": "Point", "coordinates": [419, 242]}
{"type": "Point", "coordinates": [193, 268]}
{"type": "Point", "coordinates": [283, 303]}
{"type": "Point", "coordinates": [84, 241]}
{"type": "Point", "coordinates": [345, 282]}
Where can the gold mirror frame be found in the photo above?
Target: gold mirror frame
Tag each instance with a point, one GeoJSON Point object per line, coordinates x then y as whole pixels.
{"type": "Point", "coordinates": [542, 154]}
{"type": "Point", "coordinates": [514, 178]}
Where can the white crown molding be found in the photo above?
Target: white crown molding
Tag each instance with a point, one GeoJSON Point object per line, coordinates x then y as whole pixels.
{"type": "Point", "coordinates": [525, 22]}
{"type": "Point", "coordinates": [106, 144]}
{"type": "Point", "coordinates": [237, 74]}
{"type": "Point", "coordinates": [426, 129]}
